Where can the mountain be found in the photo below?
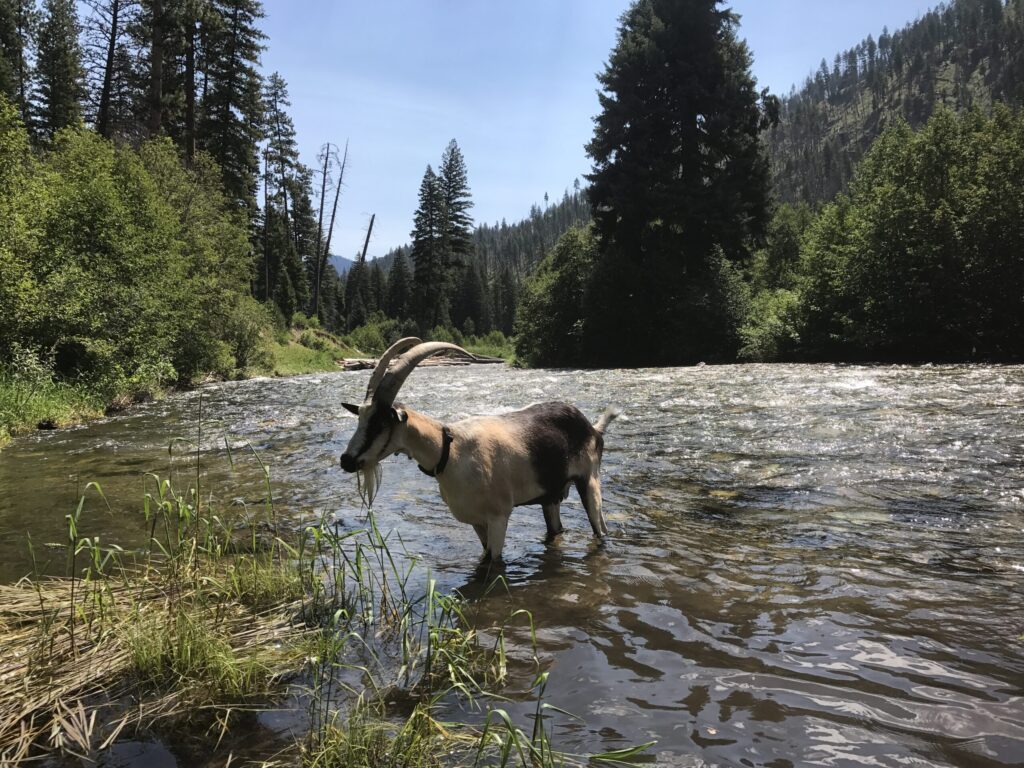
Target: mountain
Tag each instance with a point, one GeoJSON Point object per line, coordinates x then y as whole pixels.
{"type": "Point", "coordinates": [961, 55]}
{"type": "Point", "coordinates": [340, 264]}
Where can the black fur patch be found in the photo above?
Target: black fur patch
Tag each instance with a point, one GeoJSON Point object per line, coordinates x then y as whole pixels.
{"type": "Point", "coordinates": [555, 433]}
{"type": "Point", "coordinates": [381, 420]}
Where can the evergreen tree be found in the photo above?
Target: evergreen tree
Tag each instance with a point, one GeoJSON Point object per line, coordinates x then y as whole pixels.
{"type": "Point", "coordinates": [378, 288]}
{"type": "Point", "coordinates": [357, 283]}
{"type": "Point", "coordinates": [679, 189]}
{"type": "Point", "coordinates": [429, 301]}
{"type": "Point", "coordinates": [399, 289]}
{"type": "Point", "coordinates": [230, 105]}
{"type": "Point", "coordinates": [471, 308]}
{"type": "Point", "coordinates": [58, 68]}
{"type": "Point", "coordinates": [456, 223]}
{"type": "Point", "coordinates": [288, 204]}
{"type": "Point", "coordinates": [111, 67]}
{"type": "Point", "coordinates": [11, 49]}
{"type": "Point", "coordinates": [505, 301]}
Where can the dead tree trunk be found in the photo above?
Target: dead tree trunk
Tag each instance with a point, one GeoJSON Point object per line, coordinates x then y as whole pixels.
{"type": "Point", "coordinates": [103, 116]}
{"type": "Point", "coordinates": [366, 243]}
{"type": "Point", "coordinates": [326, 152]}
{"type": "Point", "coordinates": [190, 83]}
{"type": "Point", "coordinates": [334, 208]}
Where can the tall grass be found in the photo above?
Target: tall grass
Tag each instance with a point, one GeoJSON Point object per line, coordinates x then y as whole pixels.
{"type": "Point", "coordinates": [26, 404]}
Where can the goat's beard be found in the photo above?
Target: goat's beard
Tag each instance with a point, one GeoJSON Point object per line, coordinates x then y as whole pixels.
{"type": "Point", "coordinates": [368, 480]}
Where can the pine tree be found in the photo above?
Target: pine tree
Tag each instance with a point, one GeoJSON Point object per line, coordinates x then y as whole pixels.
{"type": "Point", "coordinates": [357, 283]}
{"type": "Point", "coordinates": [288, 204]}
{"type": "Point", "coordinates": [679, 189]}
{"type": "Point", "coordinates": [378, 288]}
{"type": "Point", "coordinates": [456, 223]}
{"type": "Point", "coordinates": [471, 308]}
{"type": "Point", "coordinates": [230, 107]}
{"type": "Point", "coordinates": [429, 302]}
{"type": "Point", "coordinates": [58, 68]}
{"type": "Point", "coordinates": [111, 66]}
{"type": "Point", "coordinates": [399, 289]}
{"type": "Point", "coordinates": [11, 49]}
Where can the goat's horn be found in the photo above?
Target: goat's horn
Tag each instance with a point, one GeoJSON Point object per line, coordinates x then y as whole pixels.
{"type": "Point", "coordinates": [388, 388]}
{"type": "Point", "coordinates": [394, 351]}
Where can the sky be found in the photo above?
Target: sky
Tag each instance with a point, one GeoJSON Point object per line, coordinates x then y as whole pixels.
{"type": "Point", "coordinates": [512, 82]}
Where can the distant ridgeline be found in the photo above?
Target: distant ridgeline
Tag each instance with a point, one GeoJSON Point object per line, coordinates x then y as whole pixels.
{"type": "Point", "coordinates": [968, 53]}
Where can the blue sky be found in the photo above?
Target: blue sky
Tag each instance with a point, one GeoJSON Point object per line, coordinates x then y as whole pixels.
{"type": "Point", "coordinates": [513, 82]}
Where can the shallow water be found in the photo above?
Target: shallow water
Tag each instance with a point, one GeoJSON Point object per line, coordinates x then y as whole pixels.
{"type": "Point", "coordinates": [808, 565]}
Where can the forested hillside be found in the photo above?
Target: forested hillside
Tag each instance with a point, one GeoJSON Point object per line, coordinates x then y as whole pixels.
{"type": "Point", "coordinates": [963, 54]}
{"type": "Point", "coordinates": [918, 139]}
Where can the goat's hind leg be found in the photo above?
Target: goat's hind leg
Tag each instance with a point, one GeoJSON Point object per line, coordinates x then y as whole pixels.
{"type": "Point", "coordinates": [553, 520]}
{"type": "Point", "coordinates": [589, 489]}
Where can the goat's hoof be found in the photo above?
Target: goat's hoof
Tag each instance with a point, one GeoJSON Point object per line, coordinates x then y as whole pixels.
{"type": "Point", "coordinates": [552, 535]}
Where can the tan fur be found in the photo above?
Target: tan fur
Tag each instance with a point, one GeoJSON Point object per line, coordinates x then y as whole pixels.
{"type": "Point", "coordinates": [488, 474]}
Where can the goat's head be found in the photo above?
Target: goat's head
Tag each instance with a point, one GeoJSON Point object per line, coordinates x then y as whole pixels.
{"type": "Point", "coordinates": [379, 432]}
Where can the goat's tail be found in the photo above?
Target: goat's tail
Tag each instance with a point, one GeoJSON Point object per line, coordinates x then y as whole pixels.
{"type": "Point", "coordinates": [606, 418]}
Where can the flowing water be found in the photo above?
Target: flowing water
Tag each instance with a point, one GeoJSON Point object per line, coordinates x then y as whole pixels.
{"type": "Point", "coordinates": [808, 565]}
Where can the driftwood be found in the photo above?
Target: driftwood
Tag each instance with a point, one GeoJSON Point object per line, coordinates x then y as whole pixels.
{"type": "Point", "coordinates": [362, 363]}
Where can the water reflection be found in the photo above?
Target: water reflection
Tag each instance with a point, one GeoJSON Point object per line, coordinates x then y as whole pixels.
{"type": "Point", "coordinates": [809, 565]}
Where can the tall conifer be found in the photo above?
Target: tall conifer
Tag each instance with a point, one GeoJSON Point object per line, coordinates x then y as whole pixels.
{"type": "Point", "coordinates": [680, 185]}
{"type": "Point", "coordinates": [427, 256]}
{"type": "Point", "coordinates": [230, 105]}
{"type": "Point", "coordinates": [58, 68]}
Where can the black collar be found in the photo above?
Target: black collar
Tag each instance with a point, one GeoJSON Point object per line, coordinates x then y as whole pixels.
{"type": "Point", "coordinates": [446, 449]}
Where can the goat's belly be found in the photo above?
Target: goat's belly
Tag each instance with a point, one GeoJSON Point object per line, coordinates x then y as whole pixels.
{"type": "Point", "coordinates": [469, 514]}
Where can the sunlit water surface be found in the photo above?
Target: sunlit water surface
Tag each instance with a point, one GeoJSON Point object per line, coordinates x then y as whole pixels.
{"type": "Point", "coordinates": [808, 565]}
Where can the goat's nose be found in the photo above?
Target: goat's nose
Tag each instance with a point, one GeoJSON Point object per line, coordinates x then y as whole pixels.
{"type": "Point", "coordinates": [348, 462]}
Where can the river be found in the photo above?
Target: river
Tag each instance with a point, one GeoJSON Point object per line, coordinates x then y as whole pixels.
{"type": "Point", "coordinates": [807, 565]}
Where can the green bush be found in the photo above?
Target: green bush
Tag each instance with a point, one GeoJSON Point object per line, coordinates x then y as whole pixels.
{"type": "Point", "coordinates": [313, 341]}
{"type": "Point", "coordinates": [130, 267]}
{"type": "Point", "coordinates": [301, 322]}
{"type": "Point", "coordinates": [772, 328]}
{"type": "Point", "coordinates": [378, 333]}
{"type": "Point", "coordinates": [549, 319]}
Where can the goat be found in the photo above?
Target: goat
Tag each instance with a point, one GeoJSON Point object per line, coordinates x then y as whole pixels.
{"type": "Point", "coordinates": [485, 465]}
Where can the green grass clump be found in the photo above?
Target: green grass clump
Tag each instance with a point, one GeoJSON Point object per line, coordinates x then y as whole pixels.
{"type": "Point", "coordinates": [295, 359]}
{"type": "Point", "coordinates": [181, 651]}
{"type": "Point", "coordinates": [367, 738]}
{"type": "Point", "coordinates": [26, 405]}
{"type": "Point", "coordinates": [493, 344]}
{"type": "Point", "coordinates": [308, 351]}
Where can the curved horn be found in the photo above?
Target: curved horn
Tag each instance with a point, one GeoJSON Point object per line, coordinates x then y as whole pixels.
{"type": "Point", "coordinates": [387, 390]}
{"type": "Point", "coordinates": [394, 351]}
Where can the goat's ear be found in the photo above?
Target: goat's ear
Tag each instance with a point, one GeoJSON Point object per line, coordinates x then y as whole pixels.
{"type": "Point", "coordinates": [351, 408]}
{"type": "Point", "coordinates": [401, 415]}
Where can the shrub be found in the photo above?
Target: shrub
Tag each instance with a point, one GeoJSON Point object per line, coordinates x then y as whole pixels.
{"type": "Point", "coordinates": [301, 322]}
{"type": "Point", "coordinates": [772, 328]}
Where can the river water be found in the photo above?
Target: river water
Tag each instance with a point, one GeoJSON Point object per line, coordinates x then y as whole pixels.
{"type": "Point", "coordinates": [808, 565]}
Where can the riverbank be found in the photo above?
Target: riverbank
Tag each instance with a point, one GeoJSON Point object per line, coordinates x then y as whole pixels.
{"type": "Point", "coordinates": [31, 402]}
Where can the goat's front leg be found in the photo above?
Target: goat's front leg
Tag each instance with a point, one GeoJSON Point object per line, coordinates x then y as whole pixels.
{"type": "Point", "coordinates": [553, 520]}
{"type": "Point", "coordinates": [481, 533]}
{"type": "Point", "coordinates": [497, 525]}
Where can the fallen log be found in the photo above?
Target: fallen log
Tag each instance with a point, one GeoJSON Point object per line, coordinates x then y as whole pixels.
{"type": "Point", "coordinates": [363, 363]}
